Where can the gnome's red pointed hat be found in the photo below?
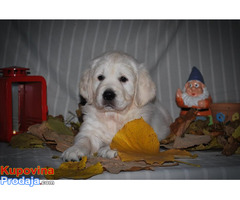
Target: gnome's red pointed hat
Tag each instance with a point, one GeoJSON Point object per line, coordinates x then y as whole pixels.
{"type": "Point", "coordinates": [196, 75]}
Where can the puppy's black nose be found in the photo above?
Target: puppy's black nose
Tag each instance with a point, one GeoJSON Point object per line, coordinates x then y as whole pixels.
{"type": "Point", "coordinates": [109, 95]}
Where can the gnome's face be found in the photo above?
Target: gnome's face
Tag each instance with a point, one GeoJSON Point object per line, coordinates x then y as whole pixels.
{"type": "Point", "coordinates": [194, 88]}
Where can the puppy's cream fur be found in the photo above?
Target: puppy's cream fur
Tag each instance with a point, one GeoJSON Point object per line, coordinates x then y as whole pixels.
{"type": "Point", "coordinates": [134, 92]}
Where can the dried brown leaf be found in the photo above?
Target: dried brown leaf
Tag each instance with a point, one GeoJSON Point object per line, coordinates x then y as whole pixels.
{"type": "Point", "coordinates": [190, 141]}
{"type": "Point", "coordinates": [55, 140]}
{"type": "Point", "coordinates": [231, 146]}
{"type": "Point", "coordinates": [115, 165]}
{"type": "Point", "coordinates": [179, 126]}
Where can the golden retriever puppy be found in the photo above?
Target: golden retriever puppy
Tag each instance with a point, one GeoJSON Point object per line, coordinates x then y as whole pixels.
{"type": "Point", "coordinates": [117, 90]}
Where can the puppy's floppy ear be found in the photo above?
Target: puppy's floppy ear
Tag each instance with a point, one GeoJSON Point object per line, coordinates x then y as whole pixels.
{"type": "Point", "coordinates": [145, 89]}
{"type": "Point", "coordinates": [86, 86]}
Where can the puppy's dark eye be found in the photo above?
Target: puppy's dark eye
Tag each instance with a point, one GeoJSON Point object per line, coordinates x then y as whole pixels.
{"type": "Point", "coordinates": [101, 77]}
{"type": "Point", "coordinates": [123, 79]}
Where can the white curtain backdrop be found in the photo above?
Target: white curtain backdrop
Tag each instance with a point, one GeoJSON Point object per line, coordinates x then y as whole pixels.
{"type": "Point", "coordinates": [60, 51]}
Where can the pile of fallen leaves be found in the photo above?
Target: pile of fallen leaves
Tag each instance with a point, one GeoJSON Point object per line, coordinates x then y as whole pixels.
{"type": "Point", "coordinates": [54, 133]}
{"type": "Point", "coordinates": [138, 149]}
{"type": "Point", "coordinates": [191, 134]}
{"type": "Point", "coordinates": [136, 143]}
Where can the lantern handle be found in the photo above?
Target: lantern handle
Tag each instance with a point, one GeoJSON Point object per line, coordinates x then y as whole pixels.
{"type": "Point", "coordinates": [14, 71]}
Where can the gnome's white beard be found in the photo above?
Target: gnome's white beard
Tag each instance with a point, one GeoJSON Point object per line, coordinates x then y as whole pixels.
{"type": "Point", "coordinates": [193, 101]}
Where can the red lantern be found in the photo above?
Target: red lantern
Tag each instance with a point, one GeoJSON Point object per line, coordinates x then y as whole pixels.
{"type": "Point", "coordinates": [23, 101]}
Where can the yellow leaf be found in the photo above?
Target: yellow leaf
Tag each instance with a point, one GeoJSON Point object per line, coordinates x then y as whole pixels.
{"type": "Point", "coordinates": [235, 116]}
{"type": "Point", "coordinates": [236, 133]}
{"type": "Point", "coordinates": [136, 136]}
{"type": "Point", "coordinates": [89, 172]}
{"type": "Point", "coordinates": [148, 158]}
{"type": "Point", "coordinates": [76, 170]}
{"type": "Point", "coordinates": [137, 141]}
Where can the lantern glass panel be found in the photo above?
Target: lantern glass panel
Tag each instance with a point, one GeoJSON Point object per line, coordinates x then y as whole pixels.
{"type": "Point", "coordinates": [26, 105]}
{"type": "Point", "coordinates": [15, 107]}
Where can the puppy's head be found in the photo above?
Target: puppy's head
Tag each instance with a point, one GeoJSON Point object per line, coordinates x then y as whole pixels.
{"type": "Point", "coordinates": [115, 81]}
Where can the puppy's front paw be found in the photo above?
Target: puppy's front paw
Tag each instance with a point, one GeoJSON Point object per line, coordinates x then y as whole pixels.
{"type": "Point", "coordinates": [106, 152]}
{"type": "Point", "coordinates": [74, 153]}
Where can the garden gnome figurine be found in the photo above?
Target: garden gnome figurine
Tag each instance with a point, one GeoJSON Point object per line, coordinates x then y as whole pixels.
{"type": "Point", "coordinates": [194, 95]}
